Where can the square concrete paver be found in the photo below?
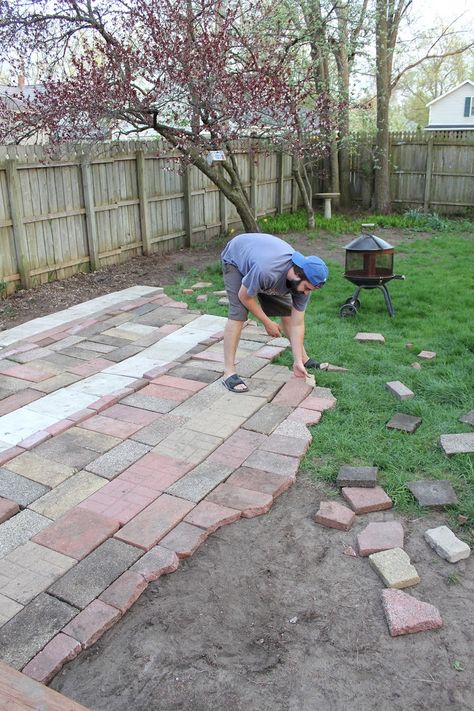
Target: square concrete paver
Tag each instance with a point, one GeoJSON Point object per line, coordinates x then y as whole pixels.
{"type": "Point", "coordinates": [271, 462]}
{"type": "Point", "coordinates": [8, 609]}
{"type": "Point", "coordinates": [29, 570]}
{"type": "Point", "coordinates": [20, 489]}
{"type": "Point", "coordinates": [267, 418]}
{"type": "Point", "coordinates": [116, 460]}
{"type": "Point", "coordinates": [92, 575]}
{"type": "Point", "coordinates": [468, 418]}
{"type": "Point", "coordinates": [77, 533]}
{"type": "Point", "coordinates": [405, 614]}
{"type": "Point", "coordinates": [19, 529]}
{"type": "Point", "coordinates": [394, 568]}
{"type": "Point", "coordinates": [32, 628]}
{"type": "Point", "coordinates": [188, 445]}
{"type": "Point", "coordinates": [40, 469]}
{"type": "Point", "coordinates": [68, 494]}
{"type": "Point", "coordinates": [462, 443]}
{"type": "Point", "coordinates": [380, 536]}
{"type": "Point", "coordinates": [199, 482]}
{"type": "Point", "coordinates": [433, 493]}
{"type": "Point", "coordinates": [364, 500]}
{"type": "Point", "coordinates": [405, 423]}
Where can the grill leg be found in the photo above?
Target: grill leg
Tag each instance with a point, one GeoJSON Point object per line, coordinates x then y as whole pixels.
{"type": "Point", "coordinates": [388, 300]}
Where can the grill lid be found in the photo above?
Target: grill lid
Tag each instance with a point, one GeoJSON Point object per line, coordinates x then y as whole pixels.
{"type": "Point", "coordinates": [368, 243]}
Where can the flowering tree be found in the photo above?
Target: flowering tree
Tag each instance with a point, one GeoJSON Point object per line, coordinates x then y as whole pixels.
{"type": "Point", "coordinates": [201, 73]}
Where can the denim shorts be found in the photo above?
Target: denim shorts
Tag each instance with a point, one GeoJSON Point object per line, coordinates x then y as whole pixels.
{"type": "Point", "coordinates": [272, 305]}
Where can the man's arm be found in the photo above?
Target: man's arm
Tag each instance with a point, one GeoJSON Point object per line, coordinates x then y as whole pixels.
{"type": "Point", "coordinates": [296, 336]}
{"type": "Point", "coordinates": [251, 303]}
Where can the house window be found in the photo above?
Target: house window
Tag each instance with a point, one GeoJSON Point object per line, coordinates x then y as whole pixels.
{"type": "Point", "coordinates": [472, 105]}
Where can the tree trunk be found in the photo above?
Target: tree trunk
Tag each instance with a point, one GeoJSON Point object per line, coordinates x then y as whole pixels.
{"type": "Point", "coordinates": [307, 195]}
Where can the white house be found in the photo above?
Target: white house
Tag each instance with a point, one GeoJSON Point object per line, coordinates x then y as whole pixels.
{"type": "Point", "coordinates": [453, 110]}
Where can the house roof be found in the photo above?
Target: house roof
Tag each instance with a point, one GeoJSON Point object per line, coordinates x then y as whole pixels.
{"type": "Point", "coordinates": [467, 81]}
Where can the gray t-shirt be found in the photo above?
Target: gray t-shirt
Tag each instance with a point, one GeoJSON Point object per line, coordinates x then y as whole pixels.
{"type": "Point", "coordinates": [264, 261]}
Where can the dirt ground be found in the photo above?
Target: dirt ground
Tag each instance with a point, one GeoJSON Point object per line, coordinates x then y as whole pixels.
{"type": "Point", "coordinates": [269, 615]}
{"type": "Point", "coordinates": [157, 270]}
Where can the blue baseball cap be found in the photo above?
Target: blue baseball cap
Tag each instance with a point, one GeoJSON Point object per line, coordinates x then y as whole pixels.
{"type": "Point", "coordinates": [314, 268]}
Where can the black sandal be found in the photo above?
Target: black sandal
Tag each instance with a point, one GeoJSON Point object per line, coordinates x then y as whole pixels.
{"type": "Point", "coordinates": [314, 365]}
{"type": "Point", "coordinates": [232, 382]}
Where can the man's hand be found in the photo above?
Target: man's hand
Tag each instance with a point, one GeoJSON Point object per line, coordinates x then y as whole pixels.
{"type": "Point", "coordinates": [299, 370]}
{"type": "Point", "coordinates": [272, 329]}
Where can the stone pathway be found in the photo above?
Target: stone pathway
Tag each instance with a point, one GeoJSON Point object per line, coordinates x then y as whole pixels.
{"type": "Point", "coordinates": [121, 452]}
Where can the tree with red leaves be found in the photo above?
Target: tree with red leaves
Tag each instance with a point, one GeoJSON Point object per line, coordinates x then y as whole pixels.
{"type": "Point", "coordinates": [201, 73]}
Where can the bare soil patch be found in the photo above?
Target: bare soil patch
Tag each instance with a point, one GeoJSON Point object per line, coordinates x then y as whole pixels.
{"type": "Point", "coordinates": [270, 615]}
{"type": "Point", "coordinates": [157, 270]}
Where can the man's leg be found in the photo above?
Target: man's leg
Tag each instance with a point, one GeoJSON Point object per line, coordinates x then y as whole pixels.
{"type": "Point", "coordinates": [232, 332]}
{"type": "Point", "coordinates": [285, 323]}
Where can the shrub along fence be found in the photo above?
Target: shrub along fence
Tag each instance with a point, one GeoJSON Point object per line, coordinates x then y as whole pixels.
{"type": "Point", "coordinates": [430, 171]}
{"type": "Point", "coordinates": [68, 213]}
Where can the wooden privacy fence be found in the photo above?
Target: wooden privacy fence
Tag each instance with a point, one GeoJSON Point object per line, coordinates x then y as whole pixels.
{"type": "Point", "coordinates": [430, 171]}
{"type": "Point", "coordinates": [59, 216]}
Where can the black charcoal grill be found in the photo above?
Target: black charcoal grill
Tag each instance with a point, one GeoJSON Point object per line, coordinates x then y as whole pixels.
{"type": "Point", "coordinates": [369, 265]}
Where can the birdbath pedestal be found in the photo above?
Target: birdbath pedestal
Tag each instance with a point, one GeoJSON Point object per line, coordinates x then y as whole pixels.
{"type": "Point", "coordinates": [327, 197]}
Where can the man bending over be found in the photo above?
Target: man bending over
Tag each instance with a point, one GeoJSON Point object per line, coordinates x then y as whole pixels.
{"type": "Point", "coordinates": [266, 276]}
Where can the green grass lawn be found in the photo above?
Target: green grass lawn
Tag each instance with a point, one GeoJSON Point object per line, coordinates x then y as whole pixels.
{"type": "Point", "coordinates": [434, 311]}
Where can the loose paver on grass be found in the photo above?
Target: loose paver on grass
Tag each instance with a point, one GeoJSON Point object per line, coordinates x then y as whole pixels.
{"type": "Point", "coordinates": [457, 443]}
{"type": "Point", "coordinates": [399, 390]}
{"type": "Point", "coordinates": [394, 568]}
{"type": "Point", "coordinates": [364, 337]}
{"type": "Point", "coordinates": [433, 493]}
{"type": "Point", "coordinates": [468, 418]}
{"type": "Point", "coordinates": [357, 476]}
{"type": "Point", "coordinates": [405, 423]}
{"type": "Point", "coordinates": [427, 355]}
{"type": "Point", "coordinates": [446, 544]}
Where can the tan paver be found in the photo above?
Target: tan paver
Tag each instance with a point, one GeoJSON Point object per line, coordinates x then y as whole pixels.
{"type": "Point", "coordinates": [71, 492]}
{"type": "Point", "coordinates": [40, 469]}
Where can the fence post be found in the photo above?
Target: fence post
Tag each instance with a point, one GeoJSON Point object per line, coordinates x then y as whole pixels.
{"type": "Point", "coordinates": [19, 234]}
{"type": "Point", "coordinates": [143, 203]}
{"type": "Point", "coordinates": [91, 223]}
{"type": "Point", "coordinates": [188, 227]}
{"type": "Point", "coordinates": [428, 175]}
{"type": "Point", "coordinates": [294, 186]}
{"type": "Point", "coordinates": [280, 176]}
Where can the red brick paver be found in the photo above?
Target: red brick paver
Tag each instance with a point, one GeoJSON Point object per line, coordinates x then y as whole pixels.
{"type": "Point", "coordinates": [7, 509]}
{"type": "Point", "coordinates": [154, 522]}
{"type": "Point", "coordinates": [258, 480]}
{"type": "Point", "coordinates": [35, 439]}
{"type": "Point", "coordinates": [363, 500]}
{"type": "Point", "coordinates": [212, 516]}
{"type": "Point", "coordinates": [405, 614]}
{"type": "Point", "coordinates": [25, 372]}
{"type": "Point", "coordinates": [182, 383]}
{"type": "Point", "coordinates": [292, 393]}
{"type": "Point", "coordinates": [125, 413]}
{"type": "Point", "coordinates": [380, 537]}
{"type": "Point", "coordinates": [90, 624]}
{"type": "Point", "coordinates": [9, 454]}
{"type": "Point", "coordinates": [250, 503]}
{"type": "Point", "coordinates": [120, 500]}
{"type": "Point", "coordinates": [109, 426]}
{"type": "Point", "coordinates": [334, 515]}
{"type": "Point", "coordinates": [235, 450]}
{"type": "Point", "coordinates": [306, 417]}
{"type": "Point", "coordinates": [22, 397]}
{"type": "Point", "coordinates": [318, 403]}
{"type": "Point", "coordinates": [77, 533]}
{"type": "Point", "coordinates": [124, 591]}
{"type": "Point", "coordinates": [158, 561]}
{"type": "Point", "coordinates": [48, 662]}
{"type": "Point", "coordinates": [165, 392]}
{"type": "Point", "coordinates": [184, 540]}
{"type": "Point", "coordinates": [156, 471]}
